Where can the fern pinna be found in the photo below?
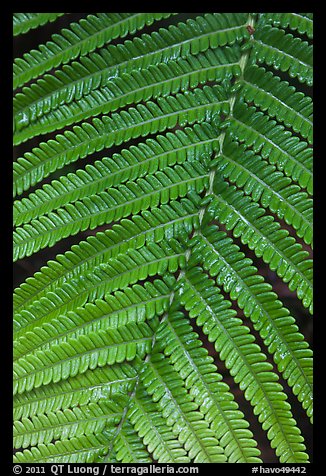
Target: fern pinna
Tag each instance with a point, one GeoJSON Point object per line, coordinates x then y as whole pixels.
{"type": "Point", "coordinates": [178, 149]}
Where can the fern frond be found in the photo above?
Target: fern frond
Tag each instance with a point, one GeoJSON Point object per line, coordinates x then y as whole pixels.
{"type": "Point", "coordinates": [247, 364]}
{"type": "Point", "coordinates": [137, 161]}
{"type": "Point", "coordinates": [128, 447]}
{"type": "Point", "coordinates": [188, 108]}
{"type": "Point", "coordinates": [75, 450]}
{"type": "Point", "coordinates": [300, 22]}
{"type": "Point", "coordinates": [81, 38]}
{"type": "Point", "coordinates": [68, 423]}
{"type": "Point", "coordinates": [107, 207]}
{"type": "Point", "coordinates": [177, 340]}
{"type": "Point", "coordinates": [234, 272]}
{"type": "Point", "coordinates": [117, 273]}
{"type": "Point", "coordinates": [197, 140]}
{"type": "Point", "coordinates": [274, 47]}
{"type": "Point", "coordinates": [96, 70]}
{"type": "Point", "coordinates": [180, 411]}
{"type": "Point", "coordinates": [266, 238]}
{"type": "Point", "coordinates": [152, 429]}
{"type": "Point", "coordinates": [92, 386]}
{"type": "Point", "coordinates": [279, 99]}
{"type": "Point", "coordinates": [82, 353]}
{"type": "Point", "coordinates": [134, 304]}
{"type": "Point", "coordinates": [156, 81]}
{"type": "Point", "coordinates": [154, 225]}
{"type": "Point", "coordinates": [273, 142]}
{"type": "Point", "coordinates": [24, 22]}
{"type": "Point", "coordinates": [268, 186]}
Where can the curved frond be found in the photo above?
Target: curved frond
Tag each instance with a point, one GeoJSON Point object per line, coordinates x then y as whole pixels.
{"type": "Point", "coordinates": [107, 207]}
{"type": "Point", "coordinates": [117, 273]}
{"type": "Point", "coordinates": [154, 225]}
{"type": "Point", "coordinates": [80, 354]}
{"type": "Point", "coordinates": [268, 92]}
{"type": "Point", "coordinates": [266, 238]}
{"type": "Point", "coordinates": [75, 450]}
{"type": "Point", "coordinates": [96, 70]}
{"type": "Point", "coordinates": [248, 366]}
{"type": "Point", "coordinates": [234, 272]}
{"type": "Point", "coordinates": [134, 304]}
{"type": "Point", "coordinates": [128, 448]}
{"type": "Point", "coordinates": [177, 340]}
{"type": "Point", "coordinates": [272, 46]}
{"type": "Point", "coordinates": [274, 143]}
{"type": "Point", "coordinates": [172, 169]}
{"type": "Point", "coordinates": [180, 411]}
{"type": "Point", "coordinates": [92, 386]}
{"type": "Point", "coordinates": [152, 429]}
{"type": "Point", "coordinates": [81, 38]}
{"type": "Point", "coordinates": [68, 423]}
{"type": "Point", "coordinates": [156, 81]}
{"type": "Point", "coordinates": [268, 186]}
{"type": "Point", "coordinates": [188, 108]}
{"type": "Point", "coordinates": [137, 161]}
{"type": "Point", "coordinates": [301, 22]}
{"type": "Point", "coordinates": [24, 22]}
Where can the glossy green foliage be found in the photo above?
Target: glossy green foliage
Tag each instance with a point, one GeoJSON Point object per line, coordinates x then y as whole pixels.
{"type": "Point", "coordinates": [301, 22]}
{"type": "Point", "coordinates": [23, 22]}
{"type": "Point", "coordinates": [188, 108]}
{"type": "Point", "coordinates": [156, 81]}
{"type": "Point", "coordinates": [281, 100]}
{"type": "Point", "coordinates": [273, 46]}
{"type": "Point", "coordinates": [81, 38]}
{"type": "Point", "coordinates": [161, 160]}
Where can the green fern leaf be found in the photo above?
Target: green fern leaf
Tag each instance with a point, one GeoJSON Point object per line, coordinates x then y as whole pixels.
{"type": "Point", "coordinates": [75, 450]}
{"type": "Point", "coordinates": [24, 22]}
{"type": "Point", "coordinates": [129, 448]}
{"type": "Point", "coordinates": [152, 429]}
{"type": "Point", "coordinates": [118, 273]}
{"type": "Point", "coordinates": [247, 364]}
{"type": "Point", "coordinates": [107, 207]}
{"type": "Point", "coordinates": [163, 181]}
{"type": "Point", "coordinates": [279, 99]}
{"type": "Point", "coordinates": [286, 53]}
{"type": "Point", "coordinates": [180, 411]}
{"type": "Point", "coordinates": [131, 164]}
{"type": "Point", "coordinates": [78, 355]}
{"type": "Point", "coordinates": [96, 70]}
{"type": "Point", "coordinates": [280, 147]}
{"type": "Point", "coordinates": [190, 360]}
{"type": "Point", "coordinates": [239, 278]}
{"type": "Point", "coordinates": [156, 81]}
{"type": "Point", "coordinates": [188, 108]}
{"type": "Point", "coordinates": [90, 387]}
{"type": "Point", "coordinates": [81, 38]}
{"type": "Point", "coordinates": [83, 420]}
{"type": "Point", "coordinates": [268, 186]}
{"type": "Point", "coordinates": [159, 223]}
{"type": "Point", "coordinates": [134, 304]}
{"type": "Point", "coordinates": [265, 236]}
{"type": "Point", "coordinates": [300, 22]}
